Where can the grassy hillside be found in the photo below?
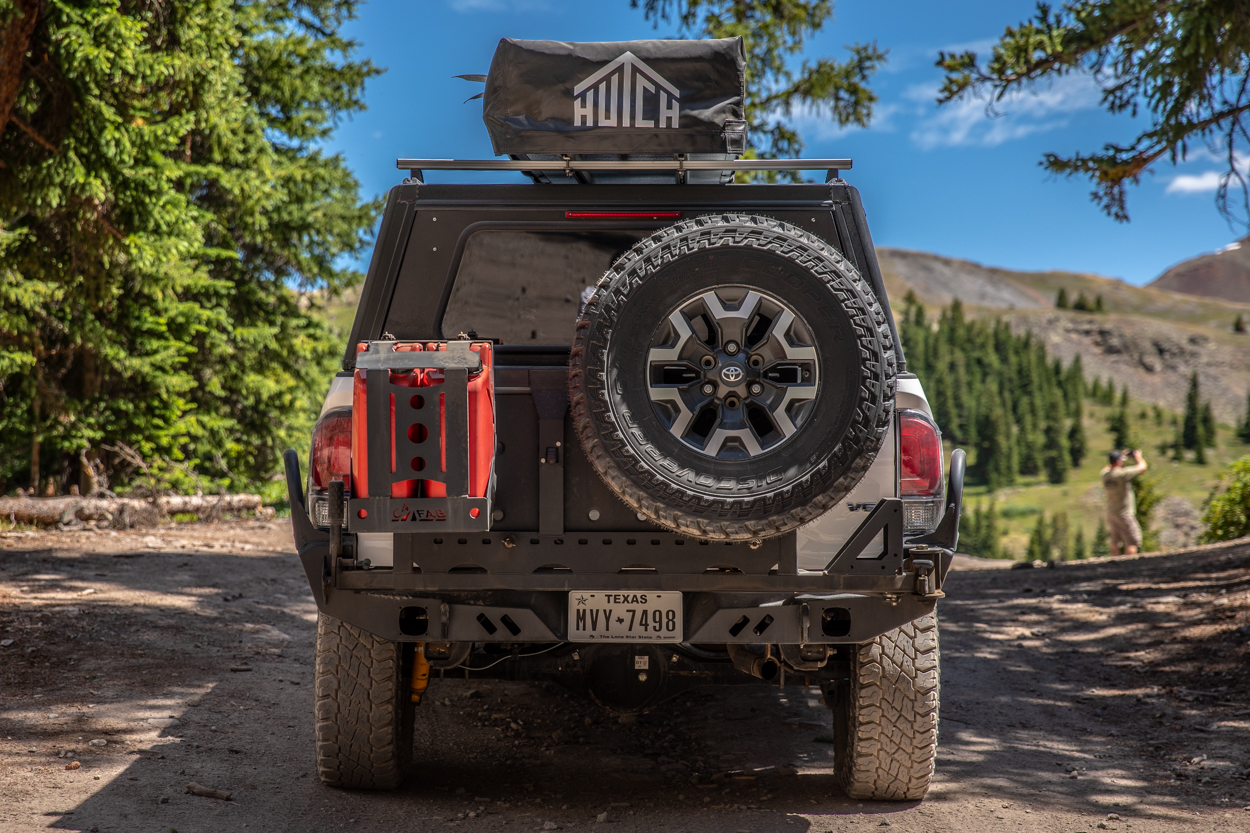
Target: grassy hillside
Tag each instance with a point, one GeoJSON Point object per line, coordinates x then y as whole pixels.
{"type": "Point", "coordinates": [1081, 497]}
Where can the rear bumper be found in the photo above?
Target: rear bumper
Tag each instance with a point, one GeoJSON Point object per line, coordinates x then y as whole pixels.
{"type": "Point", "coordinates": [513, 587]}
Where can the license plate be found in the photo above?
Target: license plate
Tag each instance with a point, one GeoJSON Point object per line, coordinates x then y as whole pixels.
{"type": "Point", "coordinates": [625, 617]}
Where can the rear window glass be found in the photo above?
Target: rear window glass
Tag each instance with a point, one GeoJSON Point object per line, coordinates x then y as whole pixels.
{"type": "Point", "coordinates": [525, 287]}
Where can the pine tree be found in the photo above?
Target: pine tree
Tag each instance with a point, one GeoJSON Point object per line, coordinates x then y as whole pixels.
{"type": "Point", "coordinates": [965, 429]}
{"type": "Point", "coordinates": [1039, 540]}
{"type": "Point", "coordinates": [1239, 324]}
{"type": "Point", "coordinates": [1148, 494]}
{"type": "Point", "coordinates": [992, 391]}
{"type": "Point", "coordinates": [1074, 381]}
{"type": "Point", "coordinates": [942, 399]}
{"type": "Point", "coordinates": [1082, 303]}
{"type": "Point", "coordinates": [1191, 433]}
{"type": "Point", "coordinates": [1030, 444]}
{"type": "Point", "coordinates": [1061, 302]}
{"type": "Point", "coordinates": [970, 531]}
{"type": "Point", "coordinates": [1206, 423]}
{"type": "Point", "coordinates": [1078, 447]}
{"type": "Point", "coordinates": [1121, 428]}
{"type": "Point", "coordinates": [1102, 541]}
{"type": "Point", "coordinates": [1079, 553]}
{"type": "Point", "coordinates": [171, 205]}
{"type": "Point", "coordinates": [995, 449]}
{"type": "Point", "coordinates": [1124, 398]}
{"type": "Point", "coordinates": [1057, 454]}
{"type": "Point", "coordinates": [991, 536]}
{"type": "Point", "coordinates": [1060, 544]}
{"type": "Point", "coordinates": [1098, 306]}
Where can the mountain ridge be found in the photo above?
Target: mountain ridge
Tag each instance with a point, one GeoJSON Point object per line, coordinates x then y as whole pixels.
{"type": "Point", "coordinates": [1222, 274]}
{"type": "Point", "coordinates": [1149, 338]}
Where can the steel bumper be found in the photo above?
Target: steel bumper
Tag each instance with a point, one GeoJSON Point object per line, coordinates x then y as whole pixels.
{"type": "Point", "coordinates": [514, 589]}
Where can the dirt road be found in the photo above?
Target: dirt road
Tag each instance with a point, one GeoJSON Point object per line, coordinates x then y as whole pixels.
{"type": "Point", "coordinates": [1111, 695]}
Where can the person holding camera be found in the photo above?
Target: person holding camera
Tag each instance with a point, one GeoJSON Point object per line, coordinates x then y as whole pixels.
{"type": "Point", "coordinates": [1117, 482]}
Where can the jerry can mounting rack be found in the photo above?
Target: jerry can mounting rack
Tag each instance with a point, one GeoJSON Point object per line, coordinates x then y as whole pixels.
{"type": "Point", "coordinates": [409, 423]}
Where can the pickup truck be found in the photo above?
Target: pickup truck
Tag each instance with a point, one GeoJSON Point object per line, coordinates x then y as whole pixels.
{"type": "Point", "coordinates": [631, 427]}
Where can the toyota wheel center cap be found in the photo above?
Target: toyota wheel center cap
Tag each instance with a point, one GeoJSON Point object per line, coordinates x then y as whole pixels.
{"type": "Point", "coordinates": [732, 374]}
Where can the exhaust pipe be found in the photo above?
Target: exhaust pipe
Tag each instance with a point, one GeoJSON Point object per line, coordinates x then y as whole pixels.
{"type": "Point", "coordinates": [764, 667]}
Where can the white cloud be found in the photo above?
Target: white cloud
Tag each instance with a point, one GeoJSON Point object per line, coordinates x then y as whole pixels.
{"type": "Point", "coordinates": [1194, 183]}
{"type": "Point", "coordinates": [966, 122]}
{"type": "Point", "coordinates": [821, 127]}
{"type": "Point", "coordinates": [1207, 181]}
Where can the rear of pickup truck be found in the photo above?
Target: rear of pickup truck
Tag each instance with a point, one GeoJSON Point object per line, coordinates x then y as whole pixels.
{"type": "Point", "coordinates": [632, 440]}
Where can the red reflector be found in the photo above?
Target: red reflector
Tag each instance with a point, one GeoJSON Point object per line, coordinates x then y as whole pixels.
{"type": "Point", "coordinates": [332, 448]}
{"type": "Point", "coordinates": [921, 448]}
{"type": "Point", "coordinates": [622, 215]}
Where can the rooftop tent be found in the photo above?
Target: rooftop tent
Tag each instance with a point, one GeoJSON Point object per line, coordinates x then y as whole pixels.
{"type": "Point", "coordinates": [631, 97]}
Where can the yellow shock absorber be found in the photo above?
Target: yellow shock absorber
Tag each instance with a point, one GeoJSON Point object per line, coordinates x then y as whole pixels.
{"type": "Point", "coordinates": [420, 673]}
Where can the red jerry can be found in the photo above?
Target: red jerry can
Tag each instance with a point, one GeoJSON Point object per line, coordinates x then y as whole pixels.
{"type": "Point", "coordinates": [481, 427]}
{"type": "Point", "coordinates": [481, 423]}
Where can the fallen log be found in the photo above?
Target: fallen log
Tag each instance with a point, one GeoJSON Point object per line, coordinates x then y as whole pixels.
{"type": "Point", "coordinates": [48, 511]}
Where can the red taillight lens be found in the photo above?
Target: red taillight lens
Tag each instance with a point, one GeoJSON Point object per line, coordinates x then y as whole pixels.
{"type": "Point", "coordinates": [622, 215]}
{"type": "Point", "coordinates": [332, 448]}
{"type": "Point", "coordinates": [921, 447]}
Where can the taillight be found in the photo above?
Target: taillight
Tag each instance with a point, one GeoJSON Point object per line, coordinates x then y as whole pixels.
{"type": "Point", "coordinates": [921, 449]}
{"type": "Point", "coordinates": [921, 485]}
{"type": "Point", "coordinates": [332, 448]}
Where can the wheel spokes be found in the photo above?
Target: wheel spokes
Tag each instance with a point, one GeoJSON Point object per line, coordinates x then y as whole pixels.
{"type": "Point", "coordinates": [731, 324]}
{"type": "Point", "coordinates": [731, 376]}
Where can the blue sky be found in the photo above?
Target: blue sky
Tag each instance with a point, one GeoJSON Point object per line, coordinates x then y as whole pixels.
{"type": "Point", "coordinates": [949, 180]}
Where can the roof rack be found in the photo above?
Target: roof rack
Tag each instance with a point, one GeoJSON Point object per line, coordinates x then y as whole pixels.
{"type": "Point", "coordinates": [678, 164]}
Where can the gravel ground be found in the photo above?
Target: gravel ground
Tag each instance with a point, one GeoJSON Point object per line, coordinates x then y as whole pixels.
{"type": "Point", "coordinates": [1102, 695]}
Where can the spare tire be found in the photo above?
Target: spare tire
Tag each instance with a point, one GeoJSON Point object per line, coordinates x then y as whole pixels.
{"type": "Point", "coordinates": [732, 377]}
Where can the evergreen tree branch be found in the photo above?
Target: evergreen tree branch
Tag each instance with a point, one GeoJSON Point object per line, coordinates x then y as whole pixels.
{"type": "Point", "coordinates": [34, 134]}
{"type": "Point", "coordinates": [774, 32]}
{"type": "Point", "coordinates": [1185, 63]}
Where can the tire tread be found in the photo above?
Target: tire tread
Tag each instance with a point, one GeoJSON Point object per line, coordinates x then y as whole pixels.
{"type": "Point", "coordinates": [363, 725]}
{"type": "Point", "coordinates": [687, 511]}
{"type": "Point", "coordinates": [892, 715]}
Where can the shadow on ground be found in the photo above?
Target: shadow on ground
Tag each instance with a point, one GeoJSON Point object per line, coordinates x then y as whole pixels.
{"type": "Point", "coordinates": [1047, 724]}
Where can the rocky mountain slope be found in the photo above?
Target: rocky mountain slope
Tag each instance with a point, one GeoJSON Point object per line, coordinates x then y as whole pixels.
{"type": "Point", "coordinates": [1224, 274]}
{"type": "Point", "coordinates": [1149, 338]}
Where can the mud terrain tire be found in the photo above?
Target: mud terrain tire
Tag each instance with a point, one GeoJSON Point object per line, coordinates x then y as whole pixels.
{"type": "Point", "coordinates": [767, 490]}
{"type": "Point", "coordinates": [364, 710]}
{"type": "Point", "coordinates": [886, 718]}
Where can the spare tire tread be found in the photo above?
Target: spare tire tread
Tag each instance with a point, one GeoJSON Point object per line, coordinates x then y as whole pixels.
{"type": "Point", "coordinates": [796, 503]}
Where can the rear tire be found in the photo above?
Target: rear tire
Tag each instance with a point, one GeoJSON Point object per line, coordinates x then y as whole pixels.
{"type": "Point", "coordinates": [364, 709]}
{"type": "Point", "coordinates": [886, 718]}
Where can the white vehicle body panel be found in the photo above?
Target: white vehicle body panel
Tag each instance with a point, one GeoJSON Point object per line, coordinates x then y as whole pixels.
{"type": "Point", "coordinates": [821, 539]}
{"type": "Point", "coordinates": [339, 396]}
